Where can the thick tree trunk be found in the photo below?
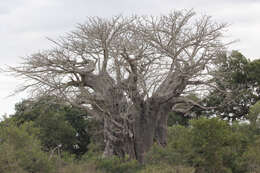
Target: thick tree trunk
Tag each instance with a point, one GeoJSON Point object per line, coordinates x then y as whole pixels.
{"type": "Point", "coordinates": [143, 135]}
{"type": "Point", "coordinates": [119, 142]}
{"type": "Point", "coordinates": [149, 124]}
{"type": "Point", "coordinates": [161, 127]}
{"type": "Point", "coordinates": [135, 145]}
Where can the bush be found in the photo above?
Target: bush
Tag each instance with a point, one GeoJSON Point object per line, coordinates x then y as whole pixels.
{"type": "Point", "coordinates": [118, 165]}
{"type": "Point", "coordinates": [20, 151]}
{"type": "Point", "coordinates": [251, 158]}
{"type": "Point", "coordinates": [177, 151]}
{"type": "Point", "coordinates": [164, 168]}
{"type": "Point", "coordinates": [79, 168]}
{"type": "Point", "coordinates": [209, 145]}
{"type": "Point", "coordinates": [209, 137]}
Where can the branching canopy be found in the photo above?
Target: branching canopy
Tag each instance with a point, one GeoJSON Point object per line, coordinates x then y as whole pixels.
{"type": "Point", "coordinates": [127, 60]}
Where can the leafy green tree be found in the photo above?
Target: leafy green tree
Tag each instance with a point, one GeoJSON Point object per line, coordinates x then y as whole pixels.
{"type": "Point", "coordinates": [60, 125]}
{"type": "Point", "coordinates": [254, 72]}
{"type": "Point", "coordinates": [238, 87]}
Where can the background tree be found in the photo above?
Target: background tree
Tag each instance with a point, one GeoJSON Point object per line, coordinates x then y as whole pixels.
{"type": "Point", "coordinates": [237, 87]}
{"type": "Point", "coordinates": [58, 124]}
{"type": "Point", "coordinates": [130, 71]}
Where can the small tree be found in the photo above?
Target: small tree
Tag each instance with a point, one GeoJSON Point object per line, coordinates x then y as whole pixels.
{"type": "Point", "coordinates": [129, 71]}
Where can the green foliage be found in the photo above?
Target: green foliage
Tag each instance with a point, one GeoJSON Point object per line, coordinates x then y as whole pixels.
{"type": "Point", "coordinates": [177, 151]}
{"type": "Point", "coordinates": [20, 151]}
{"type": "Point", "coordinates": [177, 118]}
{"type": "Point", "coordinates": [254, 72]}
{"type": "Point", "coordinates": [55, 130]}
{"type": "Point", "coordinates": [251, 158]}
{"type": "Point", "coordinates": [208, 145]}
{"type": "Point", "coordinates": [94, 151]}
{"type": "Point", "coordinates": [239, 79]}
{"type": "Point", "coordinates": [165, 168]}
{"type": "Point", "coordinates": [254, 113]}
{"type": "Point", "coordinates": [118, 165]}
{"type": "Point", "coordinates": [59, 124]}
{"type": "Point", "coordinates": [238, 140]}
{"type": "Point", "coordinates": [209, 139]}
{"type": "Point", "coordinates": [79, 168]}
{"type": "Point", "coordinates": [205, 146]}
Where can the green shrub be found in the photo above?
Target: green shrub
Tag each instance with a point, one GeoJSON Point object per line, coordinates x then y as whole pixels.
{"type": "Point", "coordinates": [251, 157]}
{"type": "Point", "coordinates": [177, 151]}
{"type": "Point", "coordinates": [209, 139]}
{"type": "Point", "coordinates": [253, 115]}
{"type": "Point", "coordinates": [209, 145]}
{"type": "Point", "coordinates": [118, 165]}
{"type": "Point", "coordinates": [20, 151]}
{"type": "Point", "coordinates": [79, 168]}
{"type": "Point", "coordinates": [164, 168]}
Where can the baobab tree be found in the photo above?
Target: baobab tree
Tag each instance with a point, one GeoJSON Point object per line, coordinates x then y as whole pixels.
{"type": "Point", "coordinates": [129, 71]}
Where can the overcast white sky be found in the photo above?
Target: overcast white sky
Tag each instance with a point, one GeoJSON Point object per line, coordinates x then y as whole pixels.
{"type": "Point", "coordinates": [25, 24]}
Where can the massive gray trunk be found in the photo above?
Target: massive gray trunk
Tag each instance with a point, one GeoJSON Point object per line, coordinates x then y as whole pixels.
{"type": "Point", "coordinates": [119, 142]}
{"type": "Point", "coordinates": [144, 129]}
{"type": "Point", "coordinates": [148, 125]}
{"type": "Point", "coordinates": [160, 135]}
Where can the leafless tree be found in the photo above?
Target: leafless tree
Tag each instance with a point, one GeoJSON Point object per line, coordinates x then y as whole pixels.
{"type": "Point", "coordinates": [129, 71]}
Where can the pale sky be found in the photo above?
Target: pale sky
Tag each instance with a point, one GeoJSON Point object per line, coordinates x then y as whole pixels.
{"type": "Point", "coordinates": [25, 24]}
